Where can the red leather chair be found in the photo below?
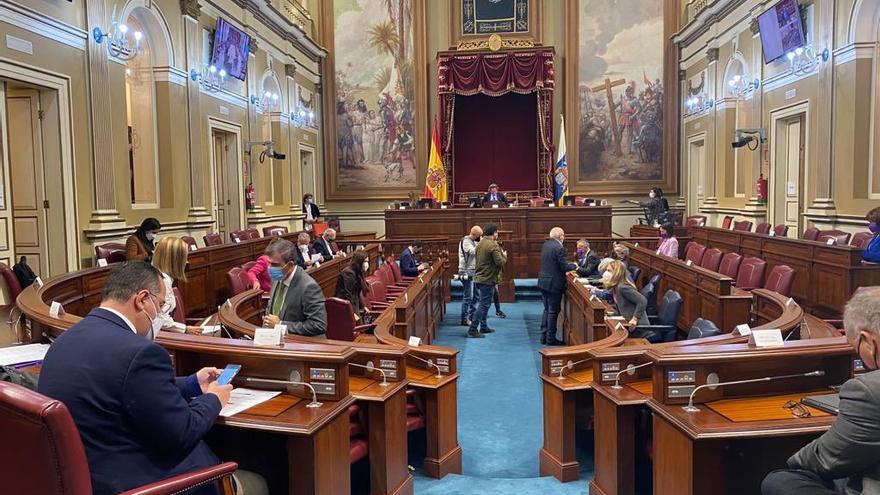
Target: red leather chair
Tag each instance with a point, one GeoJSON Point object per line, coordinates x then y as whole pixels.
{"type": "Point", "coordinates": [751, 273]}
{"type": "Point", "coordinates": [358, 447]}
{"type": "Point", "coordinates": [238, 281]}
{"type": "Point", "coordinates": [811, 234]}
{"type": "Point", "coordinates": [212, 240]}
{"type": "Point", "coordinates": [190, 242]}
{"type": "Point", "coordinates": [861, 239]}
{"type": "Point", "coordinates": [341, 324]}
{"type": "Point", "coordinates": [695, 253]}
{"type": "Point", "coordinates": [712, 259]}
{"type": "Point", "coordinates": [536, 202]}
{"type": "Point", "coordinates": [113, 252]}
{"type": "Point", "coordinates": [729, 266]}
{"type": "Point", "coordinates": [252, 233]}
{"type": "Point", "coordinates": [725, 223]}
{"type": "Point", "coordinates": [840, 237]}
{"type": "Point", "coordinates": [399, 279]}
{"type": "Point", "coordinates": [780, 230]}
{"type": "Point", "coordinates": [180, 310]}
{"type": "Point", "coordinates": [238, 235]}
{"type": "Point", "coordinates": [763, 228]}
{"type": "Point", "coordinates": [274, 230]}
{"type": "Point", "coordinates": [247, 266]}
{"type": "Point", "coordinates": [695, 221]}
{"type": "Point", "coordinates": [744, 226]}
{"type": "Point", "coordinates": [55, 461]}
{"type": "Point", "coordinates": [780, 279]}
{"type": "Point", "coordinates": [377, 298]}
{"type": "Point", "coordinates": [387, 277]}
{"type": "Point", "coordinates": [415, 410]}
{"type": "Point", "coordinates": [12, 283]}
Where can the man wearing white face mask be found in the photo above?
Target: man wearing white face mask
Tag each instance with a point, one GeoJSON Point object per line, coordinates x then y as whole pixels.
{"type": "Point", "coordinates": [138, 423]}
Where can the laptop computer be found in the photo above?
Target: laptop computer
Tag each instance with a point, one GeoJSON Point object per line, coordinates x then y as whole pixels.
{"type": "Point", "coordinates": [829, 403]}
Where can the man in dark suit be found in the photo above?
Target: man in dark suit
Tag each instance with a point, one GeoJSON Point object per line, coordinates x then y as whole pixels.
{"type": "Point", "coordinates": [846, 458]}
{"type": "Point", "coordinates": [552, 283]}
{"type": "Point", "coordinates": [493, 196]}
{"type": "Point", "coordinates": [587, 260]}
{"type": "Point", "coordinates": [296, 300]}
{"type": "Point", "coordinates": [138, 423]}
{"type": "Point", "coordinates": [326, 246]}
{"type": "Point", "coordinates": [310, 210]}
{"type": "Point", "coordinates": [303, 250]}
{"type": "Point", "coordinates": [409, 266]}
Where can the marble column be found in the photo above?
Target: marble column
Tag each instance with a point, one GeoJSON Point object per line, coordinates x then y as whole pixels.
{"type": "Point", "coordinates": [710, 198]}
{"type": "Point", "coordinates": [756, 120]}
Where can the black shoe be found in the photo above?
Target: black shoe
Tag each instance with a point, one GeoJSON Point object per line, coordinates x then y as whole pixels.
{"type": "Point", "coordinates": [553, 341]}
{"type": "Point", "coordinates": [486, 330]}
{"type": "Point", "coordinates": [500, 314]}
{"type": "Point", "coordinates": [465, 323]}
{"type": "Point", "coordinates": [543, 339]}
{"type": "Point", "coordinates": [474, 334]}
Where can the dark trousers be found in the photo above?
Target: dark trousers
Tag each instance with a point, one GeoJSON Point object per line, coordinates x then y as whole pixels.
{"type": "Point", "coordinates": [483, 294]}
{"type": "Point", "coordinates": [467, 298]}
{"type": "Point", "coordinates": [496, 300]}
{"type": "Point", "coordinates": [801, 482]}
{"type": "Point", "coordinates": [552, 306]}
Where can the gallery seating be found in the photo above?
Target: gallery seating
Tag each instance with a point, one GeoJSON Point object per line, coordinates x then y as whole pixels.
{"type": "Point", "coordinates": [712, 259]}
{"type": "Point", "coordinates": [726, 222]}
{"type": "Point", "coordinates": [212, 240]}
{"type": "Point", "coordinates": [56, 462]}
{"type": "Point", "coordinates": [861, 239]}
{"type": "Point", "coordinates": [251, 234]}
{"type": "Point", "coordinates": [113, 252]}
{"type": "Point", "coordinates": [763, 228]}
{"type": "Point", "coordinates": [729, 266]}
{"type": "Point", "coordinates": [840, 237]}
{"type": "Point", "coordinates": [649, 290]}
{"type": "Point", "coordinates": [780, 230]}
{"type": "Point", "coordinates": [663, 327]}
{"type": "Point", "coordinates": [810, 234]}
{"type": "Point", "coordinates": [694, 253]}
{"type": "Point", "coordinates": [703, 328]}
{"type": "Point", "coordinates": [745, 226]}
{"type": "Point", "coordinates": [190, 242]}
{"type": "Point", "coordinates": [751, 273]}
{"type": "Point", "coordinates": [695, 221]}
{"type": "Point", "coordinates": [341, 324]}
{"type": "Point", "coordinates": [237, 281]}
{"type": "Point", "coordinates": [238, 236]}
{"type": "Point", "coordinates": [780, 279]}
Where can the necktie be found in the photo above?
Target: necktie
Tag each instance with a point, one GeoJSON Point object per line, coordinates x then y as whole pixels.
{"type": "Point", "coordinates": [277, 298]}
{"type": "Point", "coordinates": [494, 198]}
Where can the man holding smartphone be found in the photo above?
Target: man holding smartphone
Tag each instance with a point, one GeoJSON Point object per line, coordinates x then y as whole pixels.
{"type": "Point", "coordinates": [467, 262]}
{"type": "Point", "coordinates": [138, 423]}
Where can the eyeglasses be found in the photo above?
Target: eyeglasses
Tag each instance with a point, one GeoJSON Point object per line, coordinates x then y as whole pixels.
{"type": "Point", "coordinates": [163, 308]}
{"type": "Point", "coordinates": [797, 410]}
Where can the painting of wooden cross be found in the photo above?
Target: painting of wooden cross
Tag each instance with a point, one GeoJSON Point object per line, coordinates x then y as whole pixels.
{"type": "Point", "coordinates": [615, 129]}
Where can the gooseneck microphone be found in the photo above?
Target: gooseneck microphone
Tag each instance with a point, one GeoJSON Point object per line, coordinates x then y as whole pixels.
{"type": "Point", "coordinates": [429, 363]}
{"type": "Point", "coordinates": [370, 367]}
{"type": "Point", "coordinates": [691, 408]}
{"type": "Point", "coordinates": [313, 404]}
{"type": "Point", "coordinates": [569, 365]}
{"type": "Point", "coordinates": [629, 369]}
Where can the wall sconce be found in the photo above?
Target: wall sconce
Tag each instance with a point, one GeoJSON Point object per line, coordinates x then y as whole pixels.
{"type": "Point", "coordinates": [805, 60]}
{"type": "Point", "coordinates": [303, 118]}
{"type": "Point", "coordinates": [699, 103]}
{"type": "Point", "coordinates": [211, 78]}
{"type": "Point", "coordinates": [269, 101]}
{"type": "Point", "coordinates": [120, 44]}
{"type": "Point", "coordinates": [742, 88]}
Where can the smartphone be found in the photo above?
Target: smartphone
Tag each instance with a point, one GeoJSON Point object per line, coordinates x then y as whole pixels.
{"type": "Point", "coordinates": [228, 374]}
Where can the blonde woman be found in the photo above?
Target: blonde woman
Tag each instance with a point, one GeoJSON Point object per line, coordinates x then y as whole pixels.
{"type": "Point", "coordinates": [630, 303]}
{"type": "Point", "coordinates": [170, 259]}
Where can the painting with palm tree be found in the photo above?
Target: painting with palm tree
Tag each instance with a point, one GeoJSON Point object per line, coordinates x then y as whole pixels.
{"type": "Point", "coordinates": [375, 138]}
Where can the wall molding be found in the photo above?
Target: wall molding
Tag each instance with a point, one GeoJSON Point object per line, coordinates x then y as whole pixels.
{"type": "Point", "coordinates": [171, 75]}
{"type": "Point", "coordinates": [853, 51]}
{"type": "Point", "coordinates": [42, 25]}
{"type": "Point", "coordinates": [784, 80]}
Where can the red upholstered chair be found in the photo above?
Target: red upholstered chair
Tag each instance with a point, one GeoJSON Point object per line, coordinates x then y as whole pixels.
{"type": "Point", "coordinates": [12, 283]}
{"type": "Point", "coordinates": [56, 463]}
{"type": "Point", "coordinates": [751, 273]}
{"type": "Point", "coordinates": [780, 230]}
{"type": "Point", "coordinates": [695, 221]}
{"type": "Point", "coordinates": [780, 279]}
{"type": "Point", "coordinates": [745, 226]}
{"type": "Point", "coordinates": [180, 310]}
{"type": "Point", "coordinates": [190, 242]}
{"type": "Point", "coordinates": [358, 446]}
{"type": "Point", "coordinates": [247, 266]}
{"type": "Point", "coordinates": [341, 324]}
{"type": "Point", "coordinates": [725, 223]}
{"type": "Point", "coordinates": [387, 276]}
{"type": "Point", "coordinates": [252, 233]}
{"type": "Point", "coordinates": [861, 239]}
{"type": "Point", "coordinates": [237, 280]}
{"type": "Point", "coordinates": [811, 234]}
{"type": "Point", "coordinates": [399, 279]}
{"type": "Point", "coordinates": [415, 410]}
{"type": "Point", "coordinates": [113, 252]}
{"type": "Point", "coordinates": [840, 237]}
{"type": "Point", "coordinates": [695, 253]}
{"type": "Point", "coordinates": [212, 240]}
{"type": "Point", "coordinates": [763, 228]}
{"type": "Point", "coordinates": [274, 230]}
{"type": "Point", "coordinates": [712, 259]}
{"type": "Point", "coordinates": [536, 202]}
{"type": "Point", "coordinates": [238, 235]}
{"type": "Point", "coordinates": [377, 297]}
{"type": "Point", "coordinates": [729, 266]}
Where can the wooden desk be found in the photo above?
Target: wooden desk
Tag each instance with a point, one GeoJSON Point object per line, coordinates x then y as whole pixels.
{"type": "Point", "coordinates": [825, 276]}
{"type": "Point", "coordinates": [584, 315]}
{"type": "Point", "coordinates": [356, 235]}
{"type": "Point", "coordinates": [704, 293]}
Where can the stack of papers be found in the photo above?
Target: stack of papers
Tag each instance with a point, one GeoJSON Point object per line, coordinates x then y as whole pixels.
{"type": "Point", "coordinates": [23, 354]}
{"type": "Point", "coordinates": [242, 399]}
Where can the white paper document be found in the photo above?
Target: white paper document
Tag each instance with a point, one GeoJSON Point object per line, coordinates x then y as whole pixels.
{"type": "Point", "coordinates": [316, 257]}
{"type": "Point", "coordinates": [23, 354]}
{"type": "Point", "coordinates": [245, 398]}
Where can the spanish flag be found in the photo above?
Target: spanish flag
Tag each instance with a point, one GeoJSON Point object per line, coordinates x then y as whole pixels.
{"type": "Point", "coordinates": [435, 181]}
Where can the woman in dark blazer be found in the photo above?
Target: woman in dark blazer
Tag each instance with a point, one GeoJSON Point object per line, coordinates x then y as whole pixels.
{"type": "Point", "coordinates": [351, 284]}
{"type": "Point", "coordinates": [630, 303]}
{"type": "Point", "coordinates": [140, 245]}
{"type": "Point", "coordinates": [310, 210]}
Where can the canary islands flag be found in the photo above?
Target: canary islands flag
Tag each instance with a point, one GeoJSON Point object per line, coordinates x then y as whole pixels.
{"type": "Point", "coordinates": [560, 172]}
{"type": "Point", "coordinates": [435, 181]}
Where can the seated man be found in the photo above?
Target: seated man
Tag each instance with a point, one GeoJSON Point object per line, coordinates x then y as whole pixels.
{"type": "Point", "coordinates": [138, 423]}
{"type": "Point", "coordinates": [303, 250]}
{"type": "Point", "coordinates": [409, 267]}
{"type": "Point", "coordinates": [493, 196]}
{"type": "Point", "coordinates": [846, 458]}
{"type": "Point", "coordinates": [587, 260]}
{"type": "Point", "coordinates": [326, 246]}
{"type": "Point", "coordinates": [296, 300]}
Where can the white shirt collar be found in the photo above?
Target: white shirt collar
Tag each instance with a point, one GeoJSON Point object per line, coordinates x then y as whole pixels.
{"type": "Point", "coordinates": [289, 278]}
{"type": "Point", "coordinates": [121, 316]}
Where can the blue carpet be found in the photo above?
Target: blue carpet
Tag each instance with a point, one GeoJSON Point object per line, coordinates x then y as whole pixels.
{"type": "Point", "coordinates": [500, 426]}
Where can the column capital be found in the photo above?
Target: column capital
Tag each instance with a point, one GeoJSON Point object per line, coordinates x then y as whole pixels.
{"type": "Point", "coordinates": [753, 26]}
{"type": "Point", "coordinates": [190, 8]}
{"type": "Point", "coordinates": [712, 54]}
{"type": "Point", "coordinates": [290, 70]}
{"type": "Point", "coordinates": [253, 46]}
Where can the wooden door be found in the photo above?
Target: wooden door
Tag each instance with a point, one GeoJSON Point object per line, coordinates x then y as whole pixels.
{"type": "Point", "coordinates": [788, 197]}
{"type": "Point", "coordinates": [7, 255]}
{"type": "Point", "coordinates": [227, 191]}
{"type": "Point", "coordinates": [28, 194]}
{"type": "Point", "coordinates": [696, 163]}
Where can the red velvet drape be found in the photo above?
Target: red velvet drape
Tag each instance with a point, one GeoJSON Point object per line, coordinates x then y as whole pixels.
{"type": "Point", "coordinates": [496, 73]}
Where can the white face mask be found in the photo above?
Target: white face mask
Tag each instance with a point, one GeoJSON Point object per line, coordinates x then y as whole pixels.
{"type": "Point", "coordinates": [606, 275]}
{"type": "Point", "coordinates": [150, 236]}
{"type": "Point", "coordinates": [652, 195]}
{"type": "Point", "coordinates": [310, 201]}
{"type": "Point", "coordinates": [366, 266]}
{"type": "Point", "coordinates": [155, 323]}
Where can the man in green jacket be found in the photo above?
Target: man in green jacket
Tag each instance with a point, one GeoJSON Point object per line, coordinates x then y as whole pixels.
{"type": "Point", "coordinates": [490, 260]}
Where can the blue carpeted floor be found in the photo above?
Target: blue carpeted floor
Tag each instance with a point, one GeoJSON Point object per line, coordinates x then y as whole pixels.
{"type": "Point", "coordinates": [500, 427]}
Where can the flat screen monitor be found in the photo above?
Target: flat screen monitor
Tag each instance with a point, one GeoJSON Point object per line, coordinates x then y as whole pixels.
{"type": "Point", "coordinates": [569, 200]}
{"type": "Point", "coordinates": [475, 200]}
{"type": "Point", "coordinates": [781, 30]}
{"type": "Point", "coordinates": [231, 48]}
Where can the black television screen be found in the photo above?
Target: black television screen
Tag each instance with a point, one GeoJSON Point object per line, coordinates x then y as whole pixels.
{"type": "Point", "coordinates": [230, 50]}
{"type": "Point", "coordinates": [781, 30]}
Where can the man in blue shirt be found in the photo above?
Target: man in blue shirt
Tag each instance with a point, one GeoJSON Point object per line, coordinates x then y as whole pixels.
{"type": "Point", "coordinates": [871, 252]}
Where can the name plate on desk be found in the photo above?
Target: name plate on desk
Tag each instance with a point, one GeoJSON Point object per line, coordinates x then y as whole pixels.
{"type": "Point", "coordinates": [772, 233]}
{"type": "Point", "coordinates": [495, 205]}
{"type": "Point", "coordinates": [551, 205]}
{"type": "Point", "coordinates": [743, 329]}
{"type": "Point", "coordinates": [689, 263]}
{"type": "Point", "coordinates": [102, 262]}
{"type": "Point", "coordinates": [414, 341]}
{"type": "Point", "coordinates": [443, 207]}
{"type": "Point", "coordinates": [56, 310]}
{"type": "Point", "coordinates": [268, 336]}
{"type": "Point", "coordinates": [766, 338]}
{"type": "Point", "coordinates": [193, 247]}
{"type": "Point", "coordinates": [831, 241]}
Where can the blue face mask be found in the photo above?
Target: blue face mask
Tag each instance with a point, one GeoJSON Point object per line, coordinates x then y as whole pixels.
{"type": "Point", "coordinates": [275, 273]}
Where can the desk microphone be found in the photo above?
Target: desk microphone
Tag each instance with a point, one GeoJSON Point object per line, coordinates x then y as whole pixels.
{"type": "Point", "coordinates": [429, 363]}
{"type": "Point", "coordinates": [691, 408]}
{"type": "Point", "coordinates": [222, 326]}
{"type": "Point", "coordinates": [569, 365]}
{"type": "Point", "coordinates": [313, 404]}
{"type": "Point", "coordinates": [370, 367]}
{"type": "Point", "coordinates": [629, 369]}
